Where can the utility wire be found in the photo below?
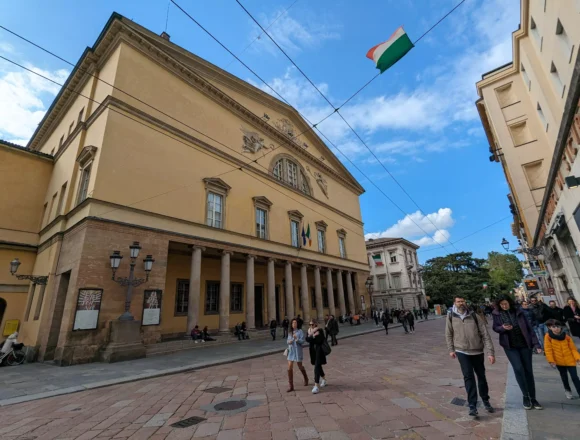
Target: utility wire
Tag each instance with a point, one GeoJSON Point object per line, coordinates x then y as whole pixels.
{"type": "Point", "coordinates": [337, 110]}
{"type": "Point", "coordinates": [171, 137]}
{"type": "Point", "coordinates": [283, 99]}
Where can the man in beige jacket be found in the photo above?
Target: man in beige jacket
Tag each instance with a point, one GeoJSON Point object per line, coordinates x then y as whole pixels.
{"type": "Point", "coordinates": [467, 340]}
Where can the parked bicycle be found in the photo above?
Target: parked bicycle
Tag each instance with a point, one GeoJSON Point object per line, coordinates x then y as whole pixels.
{"type": "Point", "coordinates": [11, 352]}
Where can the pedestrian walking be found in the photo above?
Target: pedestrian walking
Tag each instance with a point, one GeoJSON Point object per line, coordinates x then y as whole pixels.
{"type": "Point", "coordinates": [426, 313]}
{"type": "Point", "coordinates": [415, 313]}
{"type": "Point", "coordinates": [376, 317]}
{"type": "Point", "coordinates": [332, 329]}
{"type": "Point", "coordinates": [273, 325]}
{"type": "Point", "coordinates": [411, 321]}
{"type": "Point", "coordinates": [285, 325]}
{"type": "Point", "coordinates": [561, 353]}
{"type": "Point", "coordinates": [295, 353]}
{"type": "Point", "coordinates": [317, 357]}
{"type": "Point", "coordinates": [542, 314]}
{"type": "Point", "coordinates": [572, 316]}
{"type": "Point", "coordinates": [300, 322]}
{"type": "Point", "coordinates": [467, 340]}
{"type": "Point", "coordinates": [386, 319]}
{"type": "Point", "coordinates": [529, 314]}
{"type": "Point", "coordinates": [403, 319]}
{"type": "Point", "coordinates": [518, 340]}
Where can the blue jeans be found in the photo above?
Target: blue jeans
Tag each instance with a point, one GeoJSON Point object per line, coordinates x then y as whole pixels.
{"type": "Point", "coordinates": [540, 331]}
{"type": "Point", "coordinates": [521, 362]}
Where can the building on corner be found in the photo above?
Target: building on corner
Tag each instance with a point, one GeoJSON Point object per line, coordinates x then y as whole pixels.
{"type": "Point", "coordinates": [150, 149]}
{"type": "Point", "coordinates": [395, 274]}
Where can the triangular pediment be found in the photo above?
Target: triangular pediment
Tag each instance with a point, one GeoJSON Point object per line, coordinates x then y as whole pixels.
{"type": "Point", "coordinates": [261, 200]}
{"type": "Point", "coordinates": [216, 183]}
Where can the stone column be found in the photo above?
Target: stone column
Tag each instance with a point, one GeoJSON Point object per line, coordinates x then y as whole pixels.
{"type": "Point", "coordinates": [250, 290]}
{"type": "Point", "coordinates": [304, 292]}
{"type": "Point", "coordinates": [318, 294]}
{"type": "Point", "coordinates": [340, 292]}
{"type": "Point", "coordinates": [271, 290]}
{"type": "Point", "coordinates": [224, 306]}
{"type": "Point", "coordinates": [349, 292]}
{"type": "Point", "coordinates": [330, 290]}
{"type": "Point", "coordinates": [194, 288]}
{"type": "Point", "coordinates": [289, 290]}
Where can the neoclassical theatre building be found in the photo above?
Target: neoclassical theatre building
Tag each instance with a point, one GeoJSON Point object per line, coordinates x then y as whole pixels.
{"type": "Point", "coordinates": [232, 208]}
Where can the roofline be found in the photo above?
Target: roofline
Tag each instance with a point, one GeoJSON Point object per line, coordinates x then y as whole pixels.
{"type": "Point", "coordinates": [372, 244]}
{"type": "Point", "coordinates": [26, 150]}
{"type": "Point", "coordinates": [483, 75]}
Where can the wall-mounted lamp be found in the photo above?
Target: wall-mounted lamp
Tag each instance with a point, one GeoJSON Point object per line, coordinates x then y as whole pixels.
{"type": "Point", "coordinates": [572, 181]}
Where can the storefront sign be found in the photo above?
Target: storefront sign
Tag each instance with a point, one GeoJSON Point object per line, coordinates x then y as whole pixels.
{"type": "Point", "coordinates": [10, 326]}
{"type": "Point", "coordinates": [531, 285]}
{"type": "Point", "coordinates": [88, 308]}
{"type": "Point", "coordinates": [151, 307]}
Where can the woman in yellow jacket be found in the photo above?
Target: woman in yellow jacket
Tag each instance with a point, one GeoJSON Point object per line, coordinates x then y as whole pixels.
{"type": "Point", "coordinates": [562, 354]}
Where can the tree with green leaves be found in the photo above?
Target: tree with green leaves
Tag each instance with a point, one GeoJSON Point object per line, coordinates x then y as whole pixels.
{"type": "Point", "coordinates": [504, 270]}
{"type": "Point", "coordinates": [456, 274]}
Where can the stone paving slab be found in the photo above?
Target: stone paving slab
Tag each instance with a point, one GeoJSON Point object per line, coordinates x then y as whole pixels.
{"type": "Point", "coordinates": [366, 375]}
{"type": "Point", "coordinates": [41, 380]}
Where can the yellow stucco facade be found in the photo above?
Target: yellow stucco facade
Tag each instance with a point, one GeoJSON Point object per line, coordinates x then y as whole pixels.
{"type": "Point", "coordinates": [151, 144]}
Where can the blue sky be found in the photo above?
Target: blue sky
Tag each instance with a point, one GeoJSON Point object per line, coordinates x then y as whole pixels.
{"type": "Point", "coordinates": [419, 117]}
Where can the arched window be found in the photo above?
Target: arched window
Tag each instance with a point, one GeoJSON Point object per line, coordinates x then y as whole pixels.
{"type": "Point", "coordinates": [287, 170]}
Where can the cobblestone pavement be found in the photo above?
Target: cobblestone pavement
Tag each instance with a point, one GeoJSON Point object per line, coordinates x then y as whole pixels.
{"type": "Point", "coordinates": [38, 380]}
{"type": "Point", "coordinates": [378, 387]}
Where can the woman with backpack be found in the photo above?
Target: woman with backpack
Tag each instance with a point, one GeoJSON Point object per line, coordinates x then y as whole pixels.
{"type": "Point", "coordinates": [317, 339]}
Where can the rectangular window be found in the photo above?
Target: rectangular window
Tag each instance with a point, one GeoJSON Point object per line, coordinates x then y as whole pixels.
{"type": "Point", "coordinates": [535, 33]}
{"type": "Point", "coordinates": [341, 247]}
{"type": "Point", "coordinates": [321, 241]}
{"type": "Point", "coordinates": [44, 209]}
{"type": "Point", "coordinates": [393, 256]}
{"type": "Point", "coordinates": [212, 296]}
{"type": "Point", "coordinates": [526, 77]}
{"type": "Point", "coordinates": [396, 281]}
{"type": "Point", "coordinates": [214, 209]}
{"type": "Point", "coordinates": [292, 173]}
{"type": "Point", "coordinates": [295, 233]}
{"type": "Point", "coordinates": [52, 207]}
{"type": "Point", "coordinates": [277, 171]}
{"type": "Point", "coordinates": [325, 297]}
{"type": "Point", "coordinates": [182, 298]}
{"type": "Point", "coordinates": [382, 283]}
{"type": "Point", "coordinates": [564, 41]}
{"type": "Point", "coordinates": [80, 119]}
{"type": "Point", "coordinates": [542, 117]}
{"type": "Point", "coordinates": [556, 80]}
{"type": "Point", "coordinates": [84, 183]}
{"type": "Point", "coordinates": [61, 199]}
{"type": "Point", "coordinates": [520, 133]}
{"type": "Point", "coordinates": [261, 223]}
{"type": "Point", "coordinates": [506, 95]}
{"type": "Point", "coordinates": [534, 175]}
{"type": "Point", "coordinates": [237, 298]}
{"type": "Point", "coordinates": [70, 128]}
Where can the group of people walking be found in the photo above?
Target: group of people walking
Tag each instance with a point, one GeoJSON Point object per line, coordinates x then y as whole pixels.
{"type": "Point", "coordinates": [468, 340]}
{"type": "Point", "coordinates": [405, 317]}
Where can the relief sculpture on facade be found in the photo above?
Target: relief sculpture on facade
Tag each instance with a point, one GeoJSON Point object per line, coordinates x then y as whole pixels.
{"type": "Point", "coordinates": [320, 180]}
{"type": "Point", "coordinates": [285, 126]}
{"type": "Point", "coordinates": [253, 143]}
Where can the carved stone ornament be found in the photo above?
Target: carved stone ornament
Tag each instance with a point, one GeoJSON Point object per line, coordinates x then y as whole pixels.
{"type": "Point", "coordinates": [285, 126]}
{"type": "Point", "coordinates": [253, 143]}
{"type": "Point", "coordinates": [320, 180]}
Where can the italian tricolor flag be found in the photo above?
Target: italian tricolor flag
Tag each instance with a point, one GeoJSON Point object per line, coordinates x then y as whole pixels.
{"type": "Point", "coordinates": [377, 259]}
{"type": "Point", "coordinates": [388, 53]}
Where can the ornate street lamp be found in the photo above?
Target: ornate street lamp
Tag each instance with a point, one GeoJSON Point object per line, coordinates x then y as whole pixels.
{"type": "Point", "coordinates": [130, 281]}
{"type": "Point", "coordinates": [534, 251]}
{"type": "Point", "coordinates": [15, 264]}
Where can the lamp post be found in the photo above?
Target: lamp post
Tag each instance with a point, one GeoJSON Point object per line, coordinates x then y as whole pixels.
{"type": "Point", "coordinates": [534, 251]}
{"type": "Point", "coordinates": [15, 264]}
{"type": "Point", "coordinates": [130, 281]}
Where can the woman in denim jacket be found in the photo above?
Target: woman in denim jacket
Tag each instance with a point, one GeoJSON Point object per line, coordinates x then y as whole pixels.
{"type": "Point", "coordinates": [295, 354]}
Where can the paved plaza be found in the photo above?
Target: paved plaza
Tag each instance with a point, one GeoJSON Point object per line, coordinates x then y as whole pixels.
{"type": "Point", "coordinates": [379, 387]}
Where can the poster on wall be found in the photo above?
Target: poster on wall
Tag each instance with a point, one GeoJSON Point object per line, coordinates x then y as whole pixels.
{"type": "Point", "coordinates": [151, 307]}
{"type": "Point", "coordinates": [88, 308]}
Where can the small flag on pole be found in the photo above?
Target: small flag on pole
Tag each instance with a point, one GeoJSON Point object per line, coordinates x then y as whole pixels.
{"type": "Point", "coordinates": [377, 259]}
{"type": "Point", "coordinates": [308, 235]}
{"type": "Point", "coordinates": [388, 53]}
{"type": "Point", "coordinates": [303, 237]}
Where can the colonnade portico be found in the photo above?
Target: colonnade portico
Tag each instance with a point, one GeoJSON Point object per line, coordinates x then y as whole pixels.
{"type": "Point", "coordinates": [286, 306]}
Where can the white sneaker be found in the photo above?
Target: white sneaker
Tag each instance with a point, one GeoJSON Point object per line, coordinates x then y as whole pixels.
{"type": "Point", "coordinates": [315, 390]}
{"type": "Point", "coordinates": [322, 383]}
{"type": "Point", "coordinates": [203, 340]}
{"type": "Point", "coordinates": [197, 342]}
{"type": "Point", "coordinates": [569, 395]}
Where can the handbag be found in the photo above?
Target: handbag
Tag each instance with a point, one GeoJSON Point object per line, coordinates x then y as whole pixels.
{"type": "Point", "coordinates": [286, 353]}
{"type": "Point", "coordinates": [326, 348]}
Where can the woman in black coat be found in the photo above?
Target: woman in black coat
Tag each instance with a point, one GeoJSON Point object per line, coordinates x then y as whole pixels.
{"type": "Point", "coordinates": [572, 316]}
{"type": "Point", "coordinates": [317, 357]}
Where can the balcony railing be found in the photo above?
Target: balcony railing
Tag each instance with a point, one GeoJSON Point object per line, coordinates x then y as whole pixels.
{"type": "Point", "coordinates": [400, 290]}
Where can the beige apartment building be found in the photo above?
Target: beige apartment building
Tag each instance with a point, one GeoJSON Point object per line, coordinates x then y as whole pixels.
{"type": "Point", "coordinates": [526, 107]}
{"type": "Point", "coordinates": [236, 209]}
{"type": "Point", "coordinates": [396, 274]}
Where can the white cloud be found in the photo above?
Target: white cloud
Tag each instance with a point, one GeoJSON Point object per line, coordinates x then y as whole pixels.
{"type": "Point", "coordinates": [415, 226]}
{"type": "Point", "coordinates": [292, 35]}
{"type": "Point", "coordinates": [22, 101]}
